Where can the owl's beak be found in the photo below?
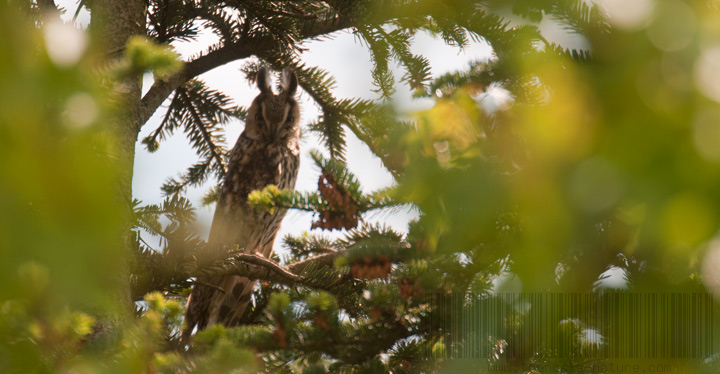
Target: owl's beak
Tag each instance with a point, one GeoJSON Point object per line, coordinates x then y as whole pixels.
{"type": "Point", "coordinates": [275, 132]}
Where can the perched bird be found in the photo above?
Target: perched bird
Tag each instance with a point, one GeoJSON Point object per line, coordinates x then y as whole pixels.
{"type": "Point", "coordinates": [267, 152]}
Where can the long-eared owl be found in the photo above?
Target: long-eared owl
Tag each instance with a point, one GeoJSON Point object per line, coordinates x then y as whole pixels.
{"type": "Point", "coordinates": [267, 152]}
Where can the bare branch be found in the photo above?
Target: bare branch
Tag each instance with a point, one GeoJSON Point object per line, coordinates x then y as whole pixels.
{"type": "Point", "coordinates": [325, 259]}
{"type": "Point", "coordinates": [247, 265]}
{"type": "Point", "coordinates": [264, 268]}
{"type": "Point", "coordinates": [268, 270]}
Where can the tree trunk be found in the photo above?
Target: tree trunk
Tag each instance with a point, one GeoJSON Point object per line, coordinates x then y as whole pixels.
{"type": "Point", "coordinates": [113, 23]}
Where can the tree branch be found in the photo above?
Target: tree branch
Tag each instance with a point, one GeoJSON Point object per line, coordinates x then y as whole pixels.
{"type": "Point", "coordinates": [245, 48]}
{"type": "Point", "coordinates": [199, 124]}
{"type": "Point", "coordinates": [246, 265]}
{"type": "Point", "coordinates": [264, 268]}
{"type": "Point", "coordinates": [325, 259]}
{"type": "Point", "coordinates": [257, 267]}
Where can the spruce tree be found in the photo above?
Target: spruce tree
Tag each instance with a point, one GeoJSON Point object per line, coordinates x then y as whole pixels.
{"type": "Point", "coordinates": [586, 170]}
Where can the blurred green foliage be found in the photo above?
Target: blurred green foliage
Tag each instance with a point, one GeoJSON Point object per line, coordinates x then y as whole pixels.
{"type": "Point", "coordinates": [58, 224]}
{"type": "Point", "coordinates": [606, 157]}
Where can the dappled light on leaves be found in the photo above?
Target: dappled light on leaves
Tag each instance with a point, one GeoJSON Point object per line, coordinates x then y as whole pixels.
{"type": "Point", "coordinates": [707, 72]}
{"type": "Point", "coordinates": [673, 26]}
{"type": "Point", "coordinates": [628, 15]}
{"type": "Point", "coordinates": [595, 185]}
{"type": "Point", "coordinates": [563, 129]}
{"type": "Point", "coordinates": [449, 129]}
{"type": "Point", "coordinates": [688, 219]}
{"type": "Point", "coordinates": [64, 42]}
{"type": "Point", "coordinates": [80, 110]}
{"type": "Point", "coordinates": [706, 134]}
{"type": "Point", "coordinates": [710, 266]}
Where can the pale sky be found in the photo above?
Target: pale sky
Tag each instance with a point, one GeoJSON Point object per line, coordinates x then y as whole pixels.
{"type": "Point", "coordinates": [350, 64]}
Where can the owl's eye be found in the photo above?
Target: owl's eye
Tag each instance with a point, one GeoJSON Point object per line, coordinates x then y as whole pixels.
{"type": "Point", "coordinates": [290, 119]}
{"type": "Point", "coordinates": [258, 116]}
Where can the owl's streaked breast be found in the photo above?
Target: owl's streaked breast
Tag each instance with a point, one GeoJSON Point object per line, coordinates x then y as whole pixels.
{"type": "Point", "coordinates": [253, 165]}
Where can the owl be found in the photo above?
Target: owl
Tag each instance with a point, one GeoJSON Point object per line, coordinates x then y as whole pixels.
{"type": "Point", "coordinates": [267, 152]}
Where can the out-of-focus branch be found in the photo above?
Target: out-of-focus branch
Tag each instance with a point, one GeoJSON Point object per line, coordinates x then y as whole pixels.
{"type": "Point", "coordinates": [47, 6]}
{"type": "Point", "coordinates": [49, 11]}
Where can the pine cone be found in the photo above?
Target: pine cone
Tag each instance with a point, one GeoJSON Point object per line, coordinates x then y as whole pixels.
{"type": "Point", "coordinates": [410, 289]}
{"type": "Point", "coordinates": [372, 268]}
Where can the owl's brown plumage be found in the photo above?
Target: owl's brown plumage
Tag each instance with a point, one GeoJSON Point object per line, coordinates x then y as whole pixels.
{"type": "Point", "coordinates": [267, 152]}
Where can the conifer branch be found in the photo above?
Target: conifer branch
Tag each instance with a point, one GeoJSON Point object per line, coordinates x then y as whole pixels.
{"type": "Point", "coordinates": [241, 49]}
{"type": "Point", "coordinates": [198, 122]}
{"type": "Point", "coordinates": [355, 349]}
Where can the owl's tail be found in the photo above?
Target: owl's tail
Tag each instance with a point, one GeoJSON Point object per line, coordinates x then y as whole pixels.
{"type": "Point", "coordinates": [197, 312]}
{"type": "Point", "coordinates": [207, 305]}
{"type": "Point", "coordinates": [237, 297]}
{"type": "Point", "coordinates": [235, 302]}
{"type": "Point", "coordinates": [225, 303]}
{"type": "Point", "coordinates": [189, 322]}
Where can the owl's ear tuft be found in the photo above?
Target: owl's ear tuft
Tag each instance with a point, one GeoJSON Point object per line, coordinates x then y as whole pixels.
{"type": "Point", "coordinates": [289, 82]}
{"type": "Point", "coordinates": [263, 80]}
